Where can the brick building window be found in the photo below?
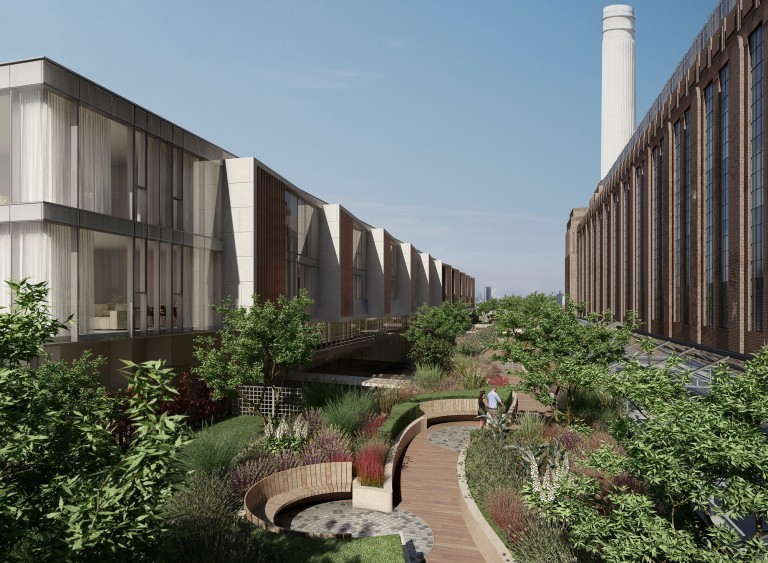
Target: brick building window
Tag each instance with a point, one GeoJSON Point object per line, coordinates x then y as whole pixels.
{"type": "Point", "coordinates": [709, 207]}
{"type": "Point", "coordinates": [756, 179]}
{"type": "Point", "coordinates": [724, 248]}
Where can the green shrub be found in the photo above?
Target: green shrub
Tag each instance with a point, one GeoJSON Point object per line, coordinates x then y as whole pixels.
{"type": "Point", "coordinates": [432, 351]}
{"type": "Point", "coordinates": [529, 427]}
{"type": "Point", "coordinates": [203, 526]}
{"type": "Point", "coordinates": [592, 405]}
{"type": "Point", "coordinates": [491, 466]}
{"type": "Point", "coordinates": [467, 371]}
{"type": "Point", "coordinates": [400, 417]}
{"type": "Point", "coordinates": [349, 411]}
{"type": "Point", "coordinates": [543, 543]}
{"type": "Point", "coordinates": [212, 450]}
{"type": "Point", "coordinates": [428, 376]}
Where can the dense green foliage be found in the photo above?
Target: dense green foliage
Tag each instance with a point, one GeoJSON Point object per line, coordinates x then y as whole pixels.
{"type": "Point", "coordinates": [204, 525]}
{"type": "Point", "coordinates": [27, 325]}
{"type": "Point", "coordinates": [434, 330]}
{"type": "Point", "coordinates": [67, 491]}
{"type": "Point", "coordinates": [428, 376]}
{"type": "Point", "coordinates": [560, 352]}
{"type": "Point", "coordinates": [349, 411]}
{"type": "Point", "coordinates": [212, 452]}
{"type": "Point", "coordinates": [256, 344]}
{"type": "Point", "coordinates": [633, 496]}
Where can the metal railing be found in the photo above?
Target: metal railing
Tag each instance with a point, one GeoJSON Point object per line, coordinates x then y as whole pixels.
{"type": "Point", "coordinates": [340, 333]}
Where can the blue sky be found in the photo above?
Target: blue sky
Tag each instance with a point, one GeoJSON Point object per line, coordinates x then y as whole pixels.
{"type": "Point", "coordinates": [469, 129]}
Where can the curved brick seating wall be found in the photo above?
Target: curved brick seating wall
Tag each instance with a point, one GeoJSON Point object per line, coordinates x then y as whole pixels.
{"type": "Point", "coordinates": [317, 482]}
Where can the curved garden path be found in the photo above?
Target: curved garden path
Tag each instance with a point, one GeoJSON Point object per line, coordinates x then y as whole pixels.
{"type": "Point", "coordinates": [429, 489]}
{"type": "Point", "coordinates": [428, 485]}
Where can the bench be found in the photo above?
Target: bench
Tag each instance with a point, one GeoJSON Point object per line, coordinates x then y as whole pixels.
{"type": "Point", "coordinates": [450, 409]}
{"type": "Point", "coordinates": [318, 482]}
{"type": "Point", "coordinates": [457, 409]}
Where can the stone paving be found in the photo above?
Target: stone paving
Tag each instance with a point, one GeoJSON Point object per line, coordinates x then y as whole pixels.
{"type": "Point", "coordinates": [338, 517]}
{"type": "Point", "coordinates": [452, 438]}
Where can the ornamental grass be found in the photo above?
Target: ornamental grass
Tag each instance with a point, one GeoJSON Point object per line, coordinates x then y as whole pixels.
{"type": "Point", "coordinates": [369, 462]}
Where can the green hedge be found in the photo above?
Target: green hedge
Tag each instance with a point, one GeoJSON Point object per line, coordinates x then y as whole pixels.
{"type": "Point", "coordinates": [402, 415]}
{"type": "Point", "coordinates": [505, 392]}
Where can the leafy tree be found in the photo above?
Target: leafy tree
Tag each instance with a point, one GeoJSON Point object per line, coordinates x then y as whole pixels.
{"type": "Point", "coordinates": [67, 492]}
{"type": "Point", "coordinates": [28, 324]}
{"type": "Point", "coordinates": [560, 352]}
{"type": "Point", "coordinates": [434, 330]}
{"type": "Point", "coordinates": [256, 344]}
{"type": "Point", "coordinates": [692, 448]}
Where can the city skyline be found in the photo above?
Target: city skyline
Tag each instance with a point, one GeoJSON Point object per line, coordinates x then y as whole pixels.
{"type": "Point", "coordinates": [366, 105]}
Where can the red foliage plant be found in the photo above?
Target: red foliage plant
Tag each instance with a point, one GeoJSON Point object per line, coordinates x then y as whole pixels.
{"type": "Point", "coordinates": [507, 508]}
{"type": "Point", "coordinates": [194, 399]}
{"type": "Point", "coordinates": [369, 463]}
{"type": "Point", "coordinates": [496, 379]}
{"type": "Point", "coordinates": [371, 427]}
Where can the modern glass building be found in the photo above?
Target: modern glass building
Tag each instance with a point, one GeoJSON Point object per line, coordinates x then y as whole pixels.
{"type": "Point", "coordinates": [139, 226]}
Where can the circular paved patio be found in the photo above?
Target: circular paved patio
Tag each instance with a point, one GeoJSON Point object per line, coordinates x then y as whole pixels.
{"type": "Point", "coordinates": [338, 517]}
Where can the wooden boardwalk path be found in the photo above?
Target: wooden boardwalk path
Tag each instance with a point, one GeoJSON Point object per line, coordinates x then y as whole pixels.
{"type": "Point", "coordinates": [429, 489]}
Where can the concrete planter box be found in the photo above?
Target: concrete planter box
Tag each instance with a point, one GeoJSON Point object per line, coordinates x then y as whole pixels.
{"type": "Point", "coordinates": [372, 498]}
{"type": "Point", "coordinates": [380, 498]}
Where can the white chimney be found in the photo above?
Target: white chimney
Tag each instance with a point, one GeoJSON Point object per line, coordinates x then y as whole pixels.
{"type": "Point", "coordinates": [618, 108]}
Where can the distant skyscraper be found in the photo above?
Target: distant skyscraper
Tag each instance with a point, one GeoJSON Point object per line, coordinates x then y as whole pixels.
{"type": "Point", "coordinates": [490, 292]}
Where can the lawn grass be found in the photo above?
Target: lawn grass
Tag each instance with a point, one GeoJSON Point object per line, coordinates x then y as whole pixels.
{"type": "Point", "coordinates": [248, 426]}
{"type": "Point", "coordinates": [381, 549]}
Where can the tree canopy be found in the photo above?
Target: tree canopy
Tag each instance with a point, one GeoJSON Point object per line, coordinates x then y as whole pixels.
{"type": "Point", "coordinates": [560, 352]}
{"type": "Point", "coordinates": [256, 344]}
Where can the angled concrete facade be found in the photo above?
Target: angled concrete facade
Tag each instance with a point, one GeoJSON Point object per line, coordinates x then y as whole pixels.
{"type": "Point", "coordinates": [139, 226]}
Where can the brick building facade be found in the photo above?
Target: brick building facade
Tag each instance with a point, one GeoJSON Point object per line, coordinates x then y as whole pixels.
{"type": "Point", "coordinates": [676, 230]}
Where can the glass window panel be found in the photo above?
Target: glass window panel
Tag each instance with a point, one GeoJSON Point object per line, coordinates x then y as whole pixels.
{"type": "Point", "coordinates": [104, 269]}
{"type": "Point", "coordinates": [141, 159]}
{"type": "Point", "coordinates": [188, 285]}
{"type": "Point", "coordinates": [166, 299]}
{"type": "Point", "coordinates": [153, 286]}
{"type": "Point", "coordinates": [5, 146]}
{"type": "Point", "coordinates": [42, 252]}
{"type": "Point", "coordinates": [188, 191]}
{"type": "Point", "coordinates": [106, 164]}
{"type": "Point", "coordinates": [176, 310]}
{"type": "Point", "coordinates": [122, 169]}
{"type": "Point", "coordinates": [165, 185]}
{"type": "Point", "coordinates": [153, 180]}
{"type": "Point", "coordinates": [140, 285]}
{"type": "Point", "coordinates": [44, 129]}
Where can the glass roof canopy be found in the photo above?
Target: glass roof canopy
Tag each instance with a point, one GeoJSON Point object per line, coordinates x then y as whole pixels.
{"type": "Point", "coordinates": [697, 362]}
